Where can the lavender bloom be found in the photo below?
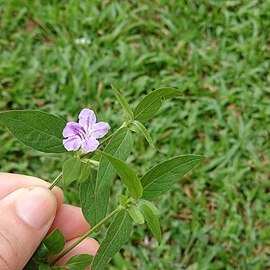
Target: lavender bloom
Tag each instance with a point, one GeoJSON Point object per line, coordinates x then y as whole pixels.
{"type": "Point", "coordinates": [85, 133]}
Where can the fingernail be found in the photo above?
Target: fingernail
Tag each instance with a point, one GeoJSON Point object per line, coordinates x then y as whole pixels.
{"type": "Point", "coordinates": [36, 206]}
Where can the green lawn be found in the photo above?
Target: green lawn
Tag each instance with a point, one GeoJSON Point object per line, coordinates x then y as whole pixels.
{"type": "Point", "coordinates": [216, 52]}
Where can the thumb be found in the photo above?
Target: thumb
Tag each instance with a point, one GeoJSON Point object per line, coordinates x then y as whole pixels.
{"type": "Point", "coordinates": [25, 217]}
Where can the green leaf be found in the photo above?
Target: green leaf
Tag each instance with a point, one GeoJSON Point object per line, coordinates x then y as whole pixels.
{"type": "Point", "coordinates": [72, 169]}
{"type": "Point", "coordinates": [44, 267]}
{"type": "Point", "coordinates": [89, 203]}
{"type": "Point", "coordinates": [117, 235]}
{"type": "Point", "coordinates": [85, 172]}
{"type": "Point", "coordinates": [151, 205]}
{"type": "Point", "coordinates": [152, 102]}
{"type": "Point", "coordinates": [122, 199]}
{"type": "Point", "coordinates": [95, 192]}
{"type": "Point", "coordinates": [41, 256]}
{"type": "Point", "coordinates": [123, 102]}
{"type": "Point", "coordinates": [37, 129]}
{"type": "Point", "coordinates": [138, 127]}
{"type": "Point", "coordinates": [78, 262]}
{"type": "Point", "coordinates": [127, 175]}
{"type": "Point", "coordinates": [55, 241]}
{"type": "Point", "coordinates": [152, 221]}
{"type": "Point", "coordinates": [31, 265]}
{"type": "Point", "coordinates": [42, 253]}
{"type": "Point", "coordinates": [120, 147]}
{"type": "Point", "coordinates": [136, 214]}
{"type": "Point", "coordinates": [162, 177]}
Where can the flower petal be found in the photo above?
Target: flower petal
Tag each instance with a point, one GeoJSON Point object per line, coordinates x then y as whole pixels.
{"type": "Point", "coordinates": [87, 118]}
{"type": "Point", "coordinates": [72, 143]}
{"type": "Point", "coordinates": [89, 145]}
{"type": "Point", "coordinates": [100, 129]}
{"type": "Point", "coordinates": [72, 129]}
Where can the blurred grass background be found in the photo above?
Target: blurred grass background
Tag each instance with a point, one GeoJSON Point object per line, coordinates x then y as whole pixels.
{"type": "Point", "coordinates": [216, 52]}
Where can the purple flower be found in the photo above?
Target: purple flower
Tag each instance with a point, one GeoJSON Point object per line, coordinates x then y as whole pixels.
{"type": "Point", "coordinates": [85, 133]}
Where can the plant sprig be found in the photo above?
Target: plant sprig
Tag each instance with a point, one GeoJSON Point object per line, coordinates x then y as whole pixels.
{"type": "Point", "coordinates": [94, 174]}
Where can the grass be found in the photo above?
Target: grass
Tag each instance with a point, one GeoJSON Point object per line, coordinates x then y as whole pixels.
{"type": "Point", "coordinates": [216, 52]}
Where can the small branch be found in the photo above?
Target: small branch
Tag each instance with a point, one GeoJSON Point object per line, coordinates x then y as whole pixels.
{"type": "Point", "coordinates": [56, 181]}
{"type": "Point", "coordinates": [107, 139]}
{"type": "Point", "coordinates": [95, 228]}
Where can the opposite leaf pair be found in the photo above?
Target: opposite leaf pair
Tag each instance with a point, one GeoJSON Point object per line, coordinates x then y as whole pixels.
{"type": "Point", "coordinates": [95, 173]}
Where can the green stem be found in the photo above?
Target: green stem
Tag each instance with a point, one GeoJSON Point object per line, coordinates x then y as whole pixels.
{"type": "Point", "coordinates": [79, 240]}
{"type": "Point", "coordinates": [56, 181]}
{"type": "Point", "coordinates": [107, 139]}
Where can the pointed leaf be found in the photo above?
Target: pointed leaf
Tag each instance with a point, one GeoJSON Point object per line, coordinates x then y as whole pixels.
{"type": "Point", "coordinates": [151, 205]}
{"type": "Point", "coordinates": [85, 172]}
{"type": "Point", "coordinates": [95, 192]}
{"type": "Point", "coordinates": [138, 127]}
{"type": "Point", "coordinates": [152, 102]}
{"type": "Point", "coordinates": [42, 253]}
{"type": "Point", "coordinates": [127, 175]}
{"type": "Point", "coordinates": [72, 169]}
{"type": "Point", "coordinates": [55, 241]}
{"type": "Point", "coordinates": [37, 129]}
{"type": "Point", "coordinates": [87, 197]}
{"type": "Point", "coordinates": [120, 147]}
{"type": "Point", "coordinates": [152, 221]}
{"type": "Point", "coordinates": [136, 214]}
{"type": "Point", "coordinates": [118, 234]}
{"type": "Point", "coordinates": [78, 262]}
{"type": "Point", "coordinates": [123, 102]}
{"type": "Point", "coordinates": [161, 178]}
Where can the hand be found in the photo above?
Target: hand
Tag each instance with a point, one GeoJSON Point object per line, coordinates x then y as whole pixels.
{"type": "Point", "coordinates": [29, 211]}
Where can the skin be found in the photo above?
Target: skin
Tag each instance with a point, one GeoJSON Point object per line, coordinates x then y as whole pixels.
{"type": "Point", "coordinates": [28, 212]}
